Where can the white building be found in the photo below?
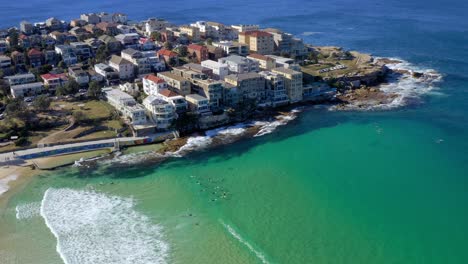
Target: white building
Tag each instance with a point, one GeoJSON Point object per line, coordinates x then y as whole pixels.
{"type": "Point", "coordinates": [126, 104]}
{"type": "Point", "coordinates": [198, 104]}
{"type": "Point", "coordinates": [155, 24]}
{"type": "Point", "coordinates": [162, 112]}
{"type": "Point", "coordinates": [20, 79]}
{"type": "Point", "coordinates": [153, 84]}
{"type": "Point", "coordinates": [27, 89]}
{"type": "Point", "coordinates": [231, 47]}
{"type": "Point", "coordinates": [5, 61]}
{"type": "Point", "coordinates": [220, 70]}
{"type": "Point", "coordinates": [239, 64]}
{"type": "Point", "coordinates": [245, 28]}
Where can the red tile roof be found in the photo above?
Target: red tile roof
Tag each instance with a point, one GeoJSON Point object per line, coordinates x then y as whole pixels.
{"type": "Point", "coordinates": [196, 47]}
{"type": "Point", "coordinates": [168, 93]}
{"type": "Point", "coordinates": [51, 76]}
{"type": "Point", "coordinates": [154, 78]}
{"type": "Point", "coordinates": [165, 52]}
{"type": "Point", "coordinates": [256, 33]}
{"type": "Point", "coordinates": [33, 52]}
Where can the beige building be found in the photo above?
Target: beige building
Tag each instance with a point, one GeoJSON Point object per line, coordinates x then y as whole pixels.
{"type": "Point", "coordinates": [250, 85]}
{"type": "Point", "coordinates": [292, 82]}
{"type": "Point", "coordinates": [192, 32]}
{"type": "Point", "coordinates": [177, 82]}
{"type": "Point", "coordinates": [265, 63]}
{"type": "Point", "coordinates": [259, 41]}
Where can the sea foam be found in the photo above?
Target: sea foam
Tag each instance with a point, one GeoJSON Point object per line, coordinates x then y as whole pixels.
{"type": "Point", "coordinates": [96, 228]}
{"type": "Point", "coordinates": [238, 237]}
{"type": "Point", "coordinates": [4, 187]}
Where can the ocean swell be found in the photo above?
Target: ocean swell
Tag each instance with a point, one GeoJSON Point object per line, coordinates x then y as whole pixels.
{"type": "Point", "coordinates": [96, 228]}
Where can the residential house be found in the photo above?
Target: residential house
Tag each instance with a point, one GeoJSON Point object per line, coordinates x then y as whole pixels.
{"type": "Point", "coordinates": [107, 72]}
{"type": "Point", "coordinates": [68, 55]}
{"type": "Point", "coordinates": [130, 40]}
{"type": "Point", "coordinates": [220, 70]}
{"type": "Point", "coordinates": [5, 62]}
{"type": "Point", "coordinates": [293, 83]}
{"type": "Point", "coordinates": [112, 44]}
{"type": "Point", "coordinates": [79, 32]}
{"type": "Point", "coordinates": [18, 58]}
{"type": "Point", "coordinates": [175, 99]}
{"type": "Point", "coordinates": [54, 24]}
{"type": "Point", "coordinates": [276, 94]}
{"type": "Point", "coordinates": [127, 105]}
{"type": "Point", "coordinates": [211, 89]}
{"type": "Point", "coordinates": [58, 37]}
{"type": "Point", "coordinates": [157, 63]}
{"type": "Point", "coordinates": [26, 27]}
{"type": "Point", "coordinates": [162, 112]}
{"type": "Point", "coordinates": [265, 62]}
{"type": "Point", "coordinates": [192, 32]}
{"type": "Point", "coordinates": [198, 51]}
{"type": "Point", "coordinates": [287, 43]}
{"type": "Point", "coordinates": [142, 64]}
{"type": "Point", "coordinates": [169, 56]}
{"type": "Point", "coordinates": [36, 58]}
{"type": "Point", "coordinates": [260, 42]}
{"type": "Point", "coordinates": [282, 62]}
{"type": "Point", "coordinates": [20, 79]}
{"type": "Point", "coordinates": [215, 53]}
{"type": "Point", "coordinates": [91, 18]}
{"type": "Point", "coordinates": [198, 104]}
{"type": "Point", "coordinates": [82, 50]}
{"type": "Point", "coordinates": [155, 24]}
{"type": "Point", "coordinates": [125, 68]}
{"type": "Point", "coordinates": [77, 23]}
{"type": "Point", "coordinates": [24, 41]}
{"type": "Point", "coordinates": [105, 17]}
{"type": "Point", "coordinates": [238, 64]}
{"type": "Point", "coordinates": [108, 28]}
{"type": "Point", "coordinates": [176, 82]}
{"type": "Point", "coordinates": [3, 46]}
{"type": "Point", "coordinates": [96, 77]}
{"type": "Point", "coordinates": [153, 84]}
{"type": "Point", "coordinates": [80, 76]}
{"type": "Point", "coordinates": [52, 80]}
{"type": "Point", "coordinates": [27, 89]}
{"type": "Point", "coordinates": [245, 28]}
{"type": "Point", "coordinates": [251, 85]}
{"type": "Point", "coordinates": [92, 29]}
{"type": "Point", "coordinates": [120, 18]}
{"type": "Point", "coordinates": [231, 47]}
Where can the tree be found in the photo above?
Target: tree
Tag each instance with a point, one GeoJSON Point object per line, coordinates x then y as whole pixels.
{"type": "Point", "coordinates": [61, 64]}
{"type": "Point", "coordinates": [42, 102]}
{"type": "Point", "coordinates": [17, 108]}
{"type": "Point", "coordinates": [209, 41]}
{"type": "Point", "coordinates": [72, 86]}
{"type": "Point", "coordinates": [156, 36]}
{"type": "Point", "coordinates": [94, 90]}
{"type": "Point", "coordinates": [80, 117]}
{"type": "Point", "coordinates": [168, 45]}
{"type": "Point", "coordinates": [102, 54]}
{"type": "Point", "coordinates": [183, 50]}
{"type": "Point", "coordinates": [14, 36]}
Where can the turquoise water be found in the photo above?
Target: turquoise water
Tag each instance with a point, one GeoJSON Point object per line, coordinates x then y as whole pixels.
{"type": "Point", "coordinates": [330, 187]}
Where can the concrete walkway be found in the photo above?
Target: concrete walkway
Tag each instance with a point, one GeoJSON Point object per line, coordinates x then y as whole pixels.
{"type": "Point", "coordinates": [15, 156]}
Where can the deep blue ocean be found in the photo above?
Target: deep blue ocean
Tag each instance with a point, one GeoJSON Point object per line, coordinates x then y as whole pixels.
{"type": "Point", "coordinates": [331, 187]}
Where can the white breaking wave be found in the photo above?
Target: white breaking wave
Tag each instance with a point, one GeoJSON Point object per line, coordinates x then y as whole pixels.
{"type": "Point", "coordinates": [27, 210]}
{"type": "Point", "coordinates": [269, 127]}
{"type": "Point", "coordinates": [234, 130]}
{"type": "Point", "coordinates": [238, 237]}
{"type": "Point", "coordinates": [4, 187]}
{"type": "Point", "coordinates": [96, 228]}
{"type": "Point", "coordinates": [406, 87]}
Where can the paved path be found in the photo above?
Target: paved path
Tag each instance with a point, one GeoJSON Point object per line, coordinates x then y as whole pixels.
{"type": "Point", "coordinates": [10, 157]}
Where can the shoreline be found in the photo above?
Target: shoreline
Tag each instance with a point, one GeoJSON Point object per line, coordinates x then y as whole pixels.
{"type": "Point", "coordinates": [385, 96]}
